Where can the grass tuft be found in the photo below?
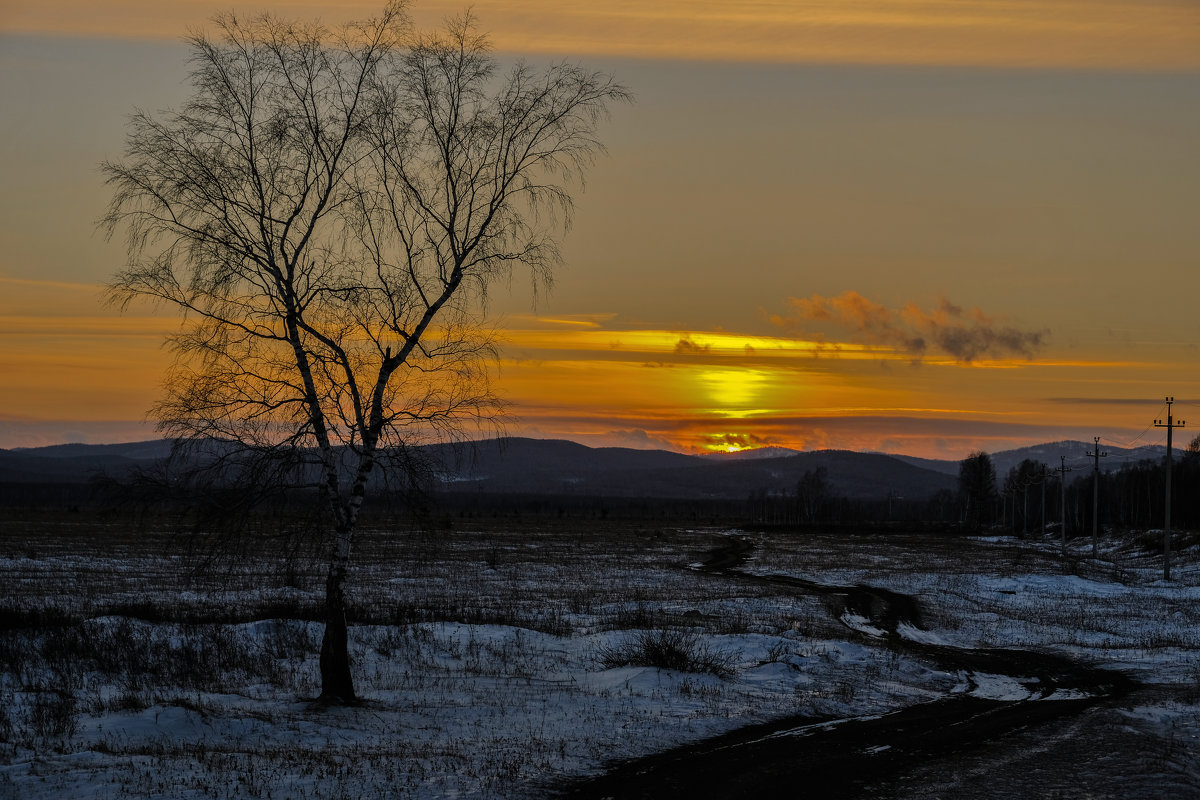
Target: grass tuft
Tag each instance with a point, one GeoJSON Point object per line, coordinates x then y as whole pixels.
{"type": "Point", "coordinates": [669, 648]}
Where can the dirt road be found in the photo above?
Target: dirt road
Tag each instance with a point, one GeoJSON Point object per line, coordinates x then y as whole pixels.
{"type": "Point", "coordinates": [853, 758]}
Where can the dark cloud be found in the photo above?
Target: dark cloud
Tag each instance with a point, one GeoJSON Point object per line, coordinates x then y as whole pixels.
{"type": "Point", "coordinates": [740, 441]}
{"type": "Point", "coordinates": [687, 346]}
{"type": "Point", "coordinates": [965, 335]}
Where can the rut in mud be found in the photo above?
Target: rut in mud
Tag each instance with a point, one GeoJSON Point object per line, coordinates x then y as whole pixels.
{"type": "Point", "coordinates": [849, 758]}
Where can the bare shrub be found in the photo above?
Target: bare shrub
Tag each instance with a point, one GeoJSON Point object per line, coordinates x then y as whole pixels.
{"type": "Point", "coordinates": [52, 716]}
{"type": "Point", "coordinates": [669, 648]}
{"type": "Point", "coordinates": [8, 725]}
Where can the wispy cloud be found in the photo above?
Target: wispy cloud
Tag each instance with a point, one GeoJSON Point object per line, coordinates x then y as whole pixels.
{"type": "Point", "coordinates": [636, 438]}
{"type": "Point", "coordinates": [964, 335]}
{"type": "Point", "coordinates": [558, 322]}
{"type": "Point", "coordinates": [1106, 401]}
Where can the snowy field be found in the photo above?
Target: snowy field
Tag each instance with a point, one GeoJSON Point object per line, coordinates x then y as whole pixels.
{"type": "Point", "coordinates": [504, 662]}
{"type": "Point", "coordinates": [1115, 612]}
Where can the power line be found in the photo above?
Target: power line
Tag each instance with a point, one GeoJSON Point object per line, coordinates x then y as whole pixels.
{"type": "Point", "coordinates": [1128, 445]}
{"type": "Point", "coordinates": [1138, 438]}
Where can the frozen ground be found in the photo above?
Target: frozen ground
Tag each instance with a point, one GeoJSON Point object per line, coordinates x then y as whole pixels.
{"type": "Point", "coordinates": [1116, 612]}
{"type": "Point", "coordinates": [136, 665]}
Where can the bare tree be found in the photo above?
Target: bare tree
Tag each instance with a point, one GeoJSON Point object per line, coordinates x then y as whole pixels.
{"type": "Point", "coordinates": [328, 211]}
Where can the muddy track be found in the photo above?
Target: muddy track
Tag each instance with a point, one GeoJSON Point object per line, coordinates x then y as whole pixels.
{"type": "Point", "coordinates": [856, 758]}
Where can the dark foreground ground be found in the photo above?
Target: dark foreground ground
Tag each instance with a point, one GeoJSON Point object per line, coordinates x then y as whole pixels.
{"type": "Point", "coordinates": [151, 658]}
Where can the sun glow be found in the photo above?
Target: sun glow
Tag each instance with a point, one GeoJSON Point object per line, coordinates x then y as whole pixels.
{"type": "Point", "coordinates": [732, 442]}
{"type": "Point", "coordinates": [733, 389]}
{"type": "Point", "coordinates": [73, 366]}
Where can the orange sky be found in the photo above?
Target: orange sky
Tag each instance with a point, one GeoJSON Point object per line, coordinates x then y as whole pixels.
{"type": "Point", "coordinates": [1060, 33]}
{"type": "Point", "coordinates": [801, 193]}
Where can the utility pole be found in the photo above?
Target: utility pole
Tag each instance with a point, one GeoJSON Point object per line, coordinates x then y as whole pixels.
{"type": "Point", "coordinates": [1097, 455]}
{"type": "Point", "coordinates": [1045, 477]}
{"type": "Point", "coordinates": [1170, 425]}
{"type": "Point", "coordinates": [1024, 507]}
{"type": "Point", "coordinates": [1062, 483]}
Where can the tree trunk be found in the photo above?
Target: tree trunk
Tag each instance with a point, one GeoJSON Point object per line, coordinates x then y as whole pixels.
{"type": "Point", "coordinates": [337, 685]}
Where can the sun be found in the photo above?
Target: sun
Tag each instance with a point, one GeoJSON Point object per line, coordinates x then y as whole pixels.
{"type": "Point", "coordinates": [731, 443]}
{"type": "Point", "coordinates": [732, 388]}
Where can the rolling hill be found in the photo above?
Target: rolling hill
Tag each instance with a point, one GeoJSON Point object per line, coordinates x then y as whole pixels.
{"type": "Point", "coordinates": [536, 466]}
{"type": "Point", "coordinates": [555, 467]}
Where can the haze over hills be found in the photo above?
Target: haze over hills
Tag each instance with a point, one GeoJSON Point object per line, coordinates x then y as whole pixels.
{"type": "Point", "coordinates": [152, 449]}
{"type": "Point", "coordinates": [1049, 453]}
{"type": "Point", "coordinates": [556, 467]}
{"type": "Point", "coordinates": [29, 466]}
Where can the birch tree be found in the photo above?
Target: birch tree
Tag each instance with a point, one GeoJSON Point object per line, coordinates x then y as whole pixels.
{"type": "Point", "coordinates": [328, 211]}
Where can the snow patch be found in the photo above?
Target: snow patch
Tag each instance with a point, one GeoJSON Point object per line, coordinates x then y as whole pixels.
{"type": "Point", "coordinates": [997, 687]}
{"type": "Point", "coordinates": [861, 624]}
{"type": "Point", "coordinates": [915, 634]}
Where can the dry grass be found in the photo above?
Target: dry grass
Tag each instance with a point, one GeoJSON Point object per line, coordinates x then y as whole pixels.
{"type": "Point", "coordinates": [468, 647]}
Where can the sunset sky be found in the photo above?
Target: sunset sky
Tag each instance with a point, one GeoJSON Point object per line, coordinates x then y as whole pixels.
{"type": "Point", "coordinates": [895, 225]}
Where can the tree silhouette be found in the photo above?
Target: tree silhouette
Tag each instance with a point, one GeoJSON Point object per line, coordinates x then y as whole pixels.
{"type": "Point", "coordinates": [1017, 483]}
{"type": "Point", "coordinates": [328, 211]}
{"type": "Point", "coordinates": [976, 488]}
{"type": "Point", "coordinates": [813, 494]}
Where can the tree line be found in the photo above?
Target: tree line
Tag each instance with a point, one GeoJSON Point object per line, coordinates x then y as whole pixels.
{"type": "Point", "coordinates": [1028, 498]}
{"type": "Point", "coordinates": [1131, 497]}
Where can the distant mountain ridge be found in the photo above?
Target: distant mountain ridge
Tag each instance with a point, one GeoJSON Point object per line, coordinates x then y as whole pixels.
{"type": "Point", "coordinates": [552, 467]}
{"type": "Point", "coordinates": [152, 449]}
{"type": "Point", "coordinates": [75, 463]}
{"type": "Point", "coordinates": [1049, 453]}
{"type": "Point", "coordinates": [557, 467]}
